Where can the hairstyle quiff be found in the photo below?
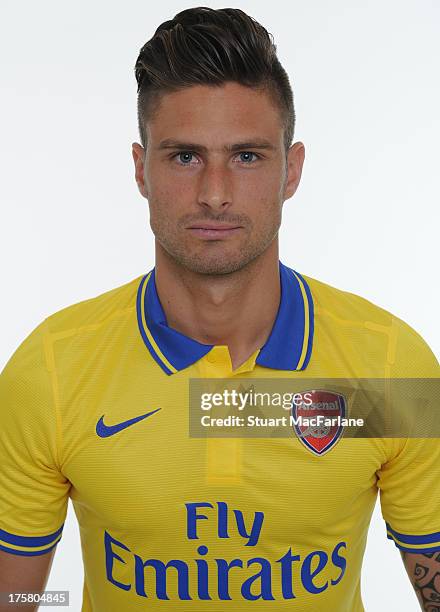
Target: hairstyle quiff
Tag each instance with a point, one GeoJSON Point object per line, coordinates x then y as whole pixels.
{"type": "Point", "coordinates": [204, 46]}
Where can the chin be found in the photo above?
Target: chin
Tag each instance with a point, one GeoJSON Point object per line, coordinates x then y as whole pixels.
{"type": "Point", "coordinates": [216, 265]}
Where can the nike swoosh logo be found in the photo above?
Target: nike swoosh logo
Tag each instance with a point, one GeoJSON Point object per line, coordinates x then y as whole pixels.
{"type": "Point", "coordinates": [104, 431]}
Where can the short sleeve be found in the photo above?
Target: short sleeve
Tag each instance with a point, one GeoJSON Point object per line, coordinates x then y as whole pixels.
{"type": "Point", "coordinates": [33, 491]}
{"type": "Point", "coordinates": [409, 482]}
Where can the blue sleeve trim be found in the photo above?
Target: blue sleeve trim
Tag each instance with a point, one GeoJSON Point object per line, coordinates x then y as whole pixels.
{"type": "Point", "coordinates": [414, 539]}
{"type": "Point", "coordinates": [416, 550]}
{"type": "Point", "coordinates": [27, 553]}
{"type": "Point", "coordinates": [11, 538]}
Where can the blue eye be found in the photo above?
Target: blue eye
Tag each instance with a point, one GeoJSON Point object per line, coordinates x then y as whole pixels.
{"type": "Point", "coordinates": [183, 157]}
{"type": "Point", "coordinates": [248, 153]}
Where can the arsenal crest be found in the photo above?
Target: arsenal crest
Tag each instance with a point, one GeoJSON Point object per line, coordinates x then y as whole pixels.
{"type": "Point", "coordinates": [318, 416]}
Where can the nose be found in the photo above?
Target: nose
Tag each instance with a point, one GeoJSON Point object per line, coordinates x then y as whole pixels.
{"type": "Point", "coordinates": [215, 189]}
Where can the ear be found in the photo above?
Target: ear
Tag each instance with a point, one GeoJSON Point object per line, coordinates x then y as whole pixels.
{"type": "Point", "coordinates": [295, 161]}
{"type": "Point", "coordinates": [138, 153]}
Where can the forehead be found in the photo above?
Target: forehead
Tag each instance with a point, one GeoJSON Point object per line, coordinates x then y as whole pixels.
{"type": "Point", "coordinates": [227, 110]}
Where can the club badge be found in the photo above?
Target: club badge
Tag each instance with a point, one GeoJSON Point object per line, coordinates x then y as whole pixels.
{"type": "Point", "coordinates": [316, 418]}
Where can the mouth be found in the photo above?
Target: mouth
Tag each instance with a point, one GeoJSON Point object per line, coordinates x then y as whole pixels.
{"type": "Point", "coordinates": [214, 231]}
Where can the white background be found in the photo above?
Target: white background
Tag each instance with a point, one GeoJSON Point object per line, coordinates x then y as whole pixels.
{"type": "Point", "coordinates": [365, 218]}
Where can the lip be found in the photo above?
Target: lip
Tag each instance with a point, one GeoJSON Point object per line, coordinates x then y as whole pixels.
{"type": "Point", "coordinates": [211, 231]}
{"type": "Point", "coordinates": [214, 226]}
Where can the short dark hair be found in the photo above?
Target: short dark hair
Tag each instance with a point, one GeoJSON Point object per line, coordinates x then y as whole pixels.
{"type": "Point", "coordinates": [205, 46]}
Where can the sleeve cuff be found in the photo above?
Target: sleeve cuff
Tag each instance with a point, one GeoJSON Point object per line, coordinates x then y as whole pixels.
{"type": "Point", "coordinates": [429, 542]}
{"type": "Point", "coordinates": [29, 545]}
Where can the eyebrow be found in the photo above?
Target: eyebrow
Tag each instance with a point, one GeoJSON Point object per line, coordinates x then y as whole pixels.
{"type": "Point", "coordinates": [257, 143]}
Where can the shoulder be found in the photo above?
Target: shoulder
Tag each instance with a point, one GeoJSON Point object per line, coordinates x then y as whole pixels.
{"type": "Point", "coordinates": [352, 316]}
{"type": "Point", "coordinates": [95, 311]}
{"type": "Point", "coordinates": [345, 306]}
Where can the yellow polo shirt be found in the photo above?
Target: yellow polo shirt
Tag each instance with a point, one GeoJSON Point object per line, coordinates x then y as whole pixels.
{"type": "Point", "coordinates": [94, 406]}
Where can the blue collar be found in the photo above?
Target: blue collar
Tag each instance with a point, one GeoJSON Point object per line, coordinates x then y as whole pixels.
{"type": "Point", "coordinates": [288, 347]}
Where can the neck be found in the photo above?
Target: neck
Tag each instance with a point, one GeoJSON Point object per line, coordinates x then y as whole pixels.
{"type": "Point", "coordinates": [237, 310]}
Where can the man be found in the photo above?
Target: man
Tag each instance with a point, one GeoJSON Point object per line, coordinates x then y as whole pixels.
{"type": "Point", "coordinates": [95, 402]}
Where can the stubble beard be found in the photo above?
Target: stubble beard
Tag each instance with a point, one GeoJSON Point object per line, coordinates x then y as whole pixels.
{"type": "Point", "coordinates": [221, 260]}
